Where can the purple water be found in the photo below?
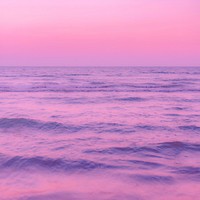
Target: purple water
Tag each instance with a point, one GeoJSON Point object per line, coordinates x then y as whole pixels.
{"type": "Point", "coordinates": [99, 133]}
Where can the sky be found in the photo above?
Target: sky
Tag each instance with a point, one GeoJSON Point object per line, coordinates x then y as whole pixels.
{"type": "Point", "coordinates": [99, 32]}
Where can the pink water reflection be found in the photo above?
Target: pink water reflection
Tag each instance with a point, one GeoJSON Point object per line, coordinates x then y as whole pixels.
{"type": "Point", "coordinates": [97, 133]}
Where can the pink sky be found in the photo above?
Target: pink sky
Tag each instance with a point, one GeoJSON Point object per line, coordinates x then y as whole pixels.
{"type": "Point", "coordinates": [100, 32]}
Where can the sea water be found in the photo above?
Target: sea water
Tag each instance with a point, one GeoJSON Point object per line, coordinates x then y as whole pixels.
{"type": "Point", "coordinates": [99, 133]}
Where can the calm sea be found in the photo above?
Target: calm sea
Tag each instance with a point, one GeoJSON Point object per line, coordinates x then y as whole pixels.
{"type": "Point", "coordinates": [99, 133]}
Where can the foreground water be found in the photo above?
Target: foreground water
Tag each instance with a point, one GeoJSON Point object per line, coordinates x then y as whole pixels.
{"type": "Point", "coordinates": [99, 133]}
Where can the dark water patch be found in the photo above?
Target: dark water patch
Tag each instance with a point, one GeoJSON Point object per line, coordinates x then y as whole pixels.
{"type": "Point", "coordinates": [77, 74]}
{"type": "Point", "coordinates": [189, 173]}
{"type": "Point", "coordinates": [123, 150]}
{"type": "Point", "coordinates": [152, 128]}
{"type": "Point", "coordinates": [82, 196]}
{"type": "Point", "coordinates": [78, 101]}
{"type": "Point", "coordinates": [188, 100]}
{"type": "Point", "coordinates": [140, 85]}
{"type": "Point", "coordinates": [109, 128]}
{"type": "Point", "coordinates": [163, 72]}
{"type": "Point", "coordinates": [186, 80]}
{"type": "Point", "coordinates": [45, 163]}
{"type": "Point", "coordinates": [176, 148]}
{"type": "Point", "coordinates": [145, 164]}
{"type": "Point", "coordinates": [132, 99]}
{"type": "Point", "coordinates": [188, 170]}
{"type": "Point", "coordinates": [98, 87]}
{"type": "Point", "coordinates": [178, 108]}
{"type": "Point", "coordinates": [172, 115]}
{"type": "Point", "coordinates": [68, 100]}
{"type": "Point", "coordinates": [174, 91]}
{"type": "Point", "coordinates": [114, 130]}
{"type": "Point", "coordinates": [56, 116]}
{"type": "Point", "coordinates": [52, 196]}
{"type": "Point", "coordinates": [154, 179]}
{"type": "Point", "coordinates": [46, 76]}
{"type": "Point", "coordinates": [61, 148]}
{"type": "Point", "coordinates": [152, 86]}
{"type": "Point", "coordinates": [174, 85]}
{"type": "Point", "coordinates": [157, 150]}
{"type": "Point", "coordinates": [195, 73]}
{"type": "Point", "coordinates": [97, 83]}
{"type": "Point", "coordinates": [190, 128]}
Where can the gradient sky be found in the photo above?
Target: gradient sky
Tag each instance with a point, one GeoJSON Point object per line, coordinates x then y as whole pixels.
{"type": "Point", "coordinates": [100, 32]}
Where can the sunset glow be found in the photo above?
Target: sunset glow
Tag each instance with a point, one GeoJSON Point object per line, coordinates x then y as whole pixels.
{"type": "Point", "coordinates": [100, 32]}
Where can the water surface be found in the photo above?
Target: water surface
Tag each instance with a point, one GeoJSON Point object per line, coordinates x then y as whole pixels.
{"type": "Point", "coordinates": [99, 133]}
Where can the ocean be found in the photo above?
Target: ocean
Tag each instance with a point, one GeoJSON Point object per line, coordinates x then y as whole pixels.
{"type": "Point", "coordinates": [99, 133]}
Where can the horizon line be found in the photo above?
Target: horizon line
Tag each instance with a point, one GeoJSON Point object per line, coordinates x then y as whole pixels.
{"type": "Point", "coordinates": [100, 66]}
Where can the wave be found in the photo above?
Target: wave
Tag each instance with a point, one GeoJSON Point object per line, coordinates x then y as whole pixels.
{"type": "Point", "coordinates": [175, 148]}
{"type": "Point", "coordinates": [59, 164]}
{"type": "Point", "coordinates": [51, 196]}
{"type": "Point", "coordinates": [152, 128]}
{"type": "Point", "coordinates": [159, 150]}
{"type": "Point", "coordinates": [9, 123]}
{"type": "Point", "coordinates": [123, 150]}
{"type": "Point", "coordinates": [178, 108]}
{"type": "Point", "coordinates": [97, 89]}
{"type": "Point", "coordinates": [110, 128]}
{"type": "Point", "coordinates": [191, 173]}
{"type": "Point", "coordinates": [154, 179]}
{"type": "Point", "coordinates": [130, 99]}
{"type": "Point", "coordinates": [27, 123]}
{"type": "Point", "coordinates": [145, 164]}
{"type": "Point", "coordinates": [188, 170]}
{"type": "Point", "coordinates": [190, 128]}
{"type": "Point", "coordinates": [22, 123]}
{"type": "Point", "coordinates": [80, 195]}
{"type": "Point", "coordinates": [79, 85]}
{"type": "Point", "coordinates": [123, 128]}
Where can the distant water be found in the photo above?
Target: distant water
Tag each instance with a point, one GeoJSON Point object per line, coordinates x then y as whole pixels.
{"type": "Point", "coordinates": [99, 133]}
